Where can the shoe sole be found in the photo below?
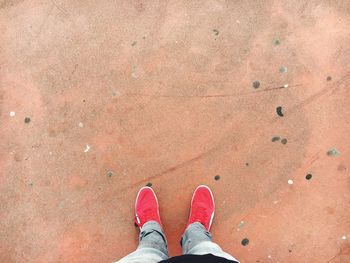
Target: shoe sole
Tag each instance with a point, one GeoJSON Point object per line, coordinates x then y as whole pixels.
{"type": "Point", "coordinates": [212, 196]}
{"type": "Point", "coordinates": [137, 197]}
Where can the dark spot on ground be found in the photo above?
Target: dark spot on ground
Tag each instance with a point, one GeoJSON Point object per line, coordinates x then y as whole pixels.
{"type": "Point", "coordinates": [83, 100]}
{"type": "Point", "coordinates": [329, 78]}
{"type": "Point", "coordinates": [308, 176]}
{"type": "Point", "coordinates": [277, 42]}
{"type": "Point", "coordinates": [217, 177]}
{"type": "Point", "coordinates": [134, 43]}
{"type": "Point", "coordinates": [279, 111]}
{"type": "Point", "coordinates": [246, 164]}
{"type": "Point", "coordinates": [284, 141]}
{"type": "Point", "coordinates": [256, 84]}
{"type": "Point", "coordinates": [275, 138]}
{"type": "Point", "coordinates": [330, 210]}
{"type": "Point", "coordinates": [109, 173]}
{"type": "Point", "coordinates": [216, 32]}
{"type": "Point", "coordinates": [135, 224]}
{"type": "Point", "coordinates": [341, 167]}
{"type": "Point", "coordinates": [290, 251]}
{"type": "Point", "coordinates": [149, 184]}
{"type": "Point", "coordinates": [17, 157]}
{"type": "Point", "coordinates": [26, 120]}
{"type": "Point", "coordinates": [245, 241]}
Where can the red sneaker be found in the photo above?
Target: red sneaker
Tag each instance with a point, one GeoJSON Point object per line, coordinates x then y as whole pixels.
{"type": "Point", "coordinates": [146, 207]}
{"type": "Point", "coordinates": [202, 207]}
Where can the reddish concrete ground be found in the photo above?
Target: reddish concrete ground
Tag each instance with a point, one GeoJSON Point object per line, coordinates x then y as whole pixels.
{"type": "Point", "coordinates": [123, 93]}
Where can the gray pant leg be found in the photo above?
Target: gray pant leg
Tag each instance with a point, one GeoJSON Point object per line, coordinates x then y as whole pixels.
{"type": "Point", "coordinates": [152, 248]}
{"type": "Point", "coordinates": [198, 241]}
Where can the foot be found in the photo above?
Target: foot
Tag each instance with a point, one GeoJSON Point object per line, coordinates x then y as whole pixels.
{"type": "Point", "coordinates": [146, 207]}
{"type": "Point", "coordinates": [202, 207]}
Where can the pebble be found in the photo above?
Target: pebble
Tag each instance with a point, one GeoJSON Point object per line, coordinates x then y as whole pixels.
{"type": "Point", "coordinates": [256, 84]}
{"type": "Point", "coordinates": [277, 42]}
{"type": "Point", "coordinates": [275, 138]}
{"type": "Point", "coordinates": [245, 242]}
{"type": "Point", "coordinates": [333, 152]}
{"type": "Point", "coordinates": [241, 224]}
{"type": "Point", "coordinates": [283, 69]}
{"type": "Point", "coordinates": [87, 148]}
{"type": "Point", "coordinates": [279, 111]}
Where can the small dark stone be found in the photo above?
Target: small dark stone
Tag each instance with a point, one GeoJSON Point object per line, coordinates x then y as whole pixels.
{"type": "Point", "coordinates": [149, 184]}
{"type": "Point", "coordinates": [83, 100]}
{"type": "Point", "coordinates": [133, 43]}
{"type": "Point", "coordinates": [284, 141]}
{"type": "Point", "coordinates": [245, 241]}
{"type": "Point", "coordinates": [246, 164]}
{"type": "Point", "coordinates": [109, 173]}
{"type": "Point", "coordinates": [256, 84]}
{"type": "Point", "coordinates": [290, 251]}
{"type": "Point", "coordinates": [308, 176]}
{"type": "Point", "coordinates": [329, 78]}
{"type": "Point", "coordinates": [26, 120]}
{"type": "Point", "coordinates": [283, 69]}
{"type": "Point", "coordinates": [279, 111]}
{"type": "Point", "coordinates": [333, 152]}
{"type": "Point", "coordinates": [275, 138]}
{"type": "Point", "coordinates": [217, 177]}
{"type": "Point", "coordinates": [216, 32]}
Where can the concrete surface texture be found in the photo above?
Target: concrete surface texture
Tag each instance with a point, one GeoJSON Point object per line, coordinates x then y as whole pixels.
{"type": "Point", "coordinates": [99, 98]}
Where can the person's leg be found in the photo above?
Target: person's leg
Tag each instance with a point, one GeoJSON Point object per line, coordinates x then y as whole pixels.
{"type": "Point", "coordinates": [197, 238]}
{"type": "Point", "coordinates": [198, 241]}
{"type": "Point", "coordinates": [153, 245]}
